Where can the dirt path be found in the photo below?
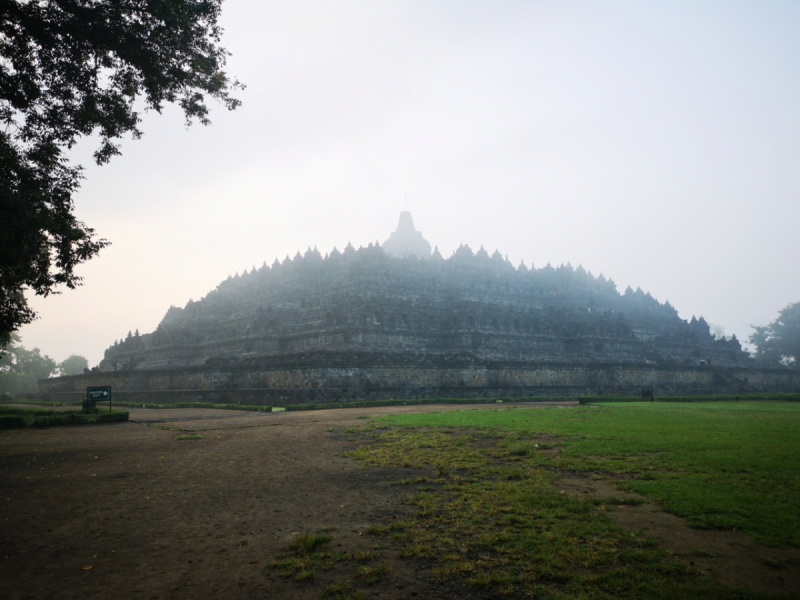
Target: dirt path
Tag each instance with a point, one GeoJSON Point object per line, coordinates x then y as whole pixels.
{"type": "Point", "coordinates": [128, 510]}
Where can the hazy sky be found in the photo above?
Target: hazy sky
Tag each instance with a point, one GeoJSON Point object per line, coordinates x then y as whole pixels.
{"type": "Point", "coordinates": [655, 142]}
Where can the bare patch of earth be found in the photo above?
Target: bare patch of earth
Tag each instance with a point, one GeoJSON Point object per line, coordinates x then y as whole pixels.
{"type": "Point", "coordinates": [130, 510]}
{"type": "Point", "coordinates": [730, 556]}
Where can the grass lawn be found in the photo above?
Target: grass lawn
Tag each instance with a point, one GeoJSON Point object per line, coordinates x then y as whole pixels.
{"type": "Point", "coordinates": [487, 511]}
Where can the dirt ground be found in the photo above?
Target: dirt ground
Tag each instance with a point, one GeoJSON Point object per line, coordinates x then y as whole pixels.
{"type": "Point", "coordinates": [128, 510]}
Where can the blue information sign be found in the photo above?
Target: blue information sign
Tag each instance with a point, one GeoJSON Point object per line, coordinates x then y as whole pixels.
{"type": "Point", "coordinates": [102, 393]}
{"type": "Point", "coordinates": [99, 393]}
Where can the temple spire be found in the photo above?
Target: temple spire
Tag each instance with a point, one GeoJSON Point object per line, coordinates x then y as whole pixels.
{"type": "Point", "coordinates": [407, 241]}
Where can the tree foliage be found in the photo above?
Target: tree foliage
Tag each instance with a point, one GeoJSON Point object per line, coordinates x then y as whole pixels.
{"type": "Point", "coordinates": [779, 342]}
{"type": "Point", "coordinates": [20, 368]}
{"type": "Point", "coordinates": [68, 69]}
{"type": "Point", "coordinates": [73, 365]}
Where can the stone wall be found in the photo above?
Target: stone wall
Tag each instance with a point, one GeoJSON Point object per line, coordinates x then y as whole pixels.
{"type": "Point", "coordinates": [310, 378]}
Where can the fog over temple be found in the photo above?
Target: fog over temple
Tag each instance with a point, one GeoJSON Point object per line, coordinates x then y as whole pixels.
{"type": "Point", "coordinates": [401, 299]}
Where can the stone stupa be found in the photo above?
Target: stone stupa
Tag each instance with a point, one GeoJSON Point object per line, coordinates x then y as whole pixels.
{"type": "Point", "coordinates": [406, 241]}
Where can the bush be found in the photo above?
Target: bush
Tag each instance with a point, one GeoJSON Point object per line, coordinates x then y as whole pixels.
{"type": "Point", "coordinates": [62, 419]}
{"type": "Point", "coordinates": [29, 417]}
{"type": "Point", "coordinates": [409, 402]}
{"type": "Point", "coordinates": [25, 412]}
{"type": "Point", "coordinates": [9, 421]}
{"type": "Point", "coordinates": [113, 417]}
{"type": "Point", "coordinates": [709, 398]}
{"type": "Point", "coordinates": [247, 407]}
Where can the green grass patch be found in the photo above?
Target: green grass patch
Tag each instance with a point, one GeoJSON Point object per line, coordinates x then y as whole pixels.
{"type": "Point", "coordinates": [372, 574]}
{"type": "Point", "coordinates": [720, 465]}
{"type": "Point", "coordinates": [335, 590]}
{"type": "Point", "coordinates": [496, 522]}
{"type": "Point", "coordinates": [190, 436]}
{"type": "Point", "coordinates": [365, 556]}
{"type": "Point", "coordinates": [306, 554]}
{"type": "Point", "coordinates": [12, 417]}
{"type": "Point", "coordinates": [377, 530]}
{"type": "Point", "coordinates": [506, 535]}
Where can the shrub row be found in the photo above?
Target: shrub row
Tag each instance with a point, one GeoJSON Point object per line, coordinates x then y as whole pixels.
{"type": "Point", "coordinates": [11, 421]}
{"type": "Point", "coordinates": [52, 418]}
{"type": "Point", "coordinates": [709, 398]}
{"type": "Point", "coordinates": [252, 407]}
{"type": "Point", "coordinates": [28, 412]}
{"type": "Point", "coordinates": [356, 404]}
{"type": "Point", "coordinates": [41, 402]}
{"type": "Point", "coordinates": [410, 402]}
{"type": "Point", "coordinates": [59, 418]}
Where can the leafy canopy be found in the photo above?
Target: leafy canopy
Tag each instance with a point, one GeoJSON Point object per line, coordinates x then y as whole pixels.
{"type": "Point", "coordinates": [779, 342]}
{"type": "Point", "coordinates": [68, 69]}
{"type": "Point", "coordinates": [73, 365]}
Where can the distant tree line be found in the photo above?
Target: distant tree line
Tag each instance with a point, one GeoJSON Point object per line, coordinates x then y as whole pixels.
{"type": "Point", "coordinates": [21, 368]}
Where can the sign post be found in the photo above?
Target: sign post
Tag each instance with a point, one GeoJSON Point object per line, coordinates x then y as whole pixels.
{"type": "Point", "coordinates": [93, 394]}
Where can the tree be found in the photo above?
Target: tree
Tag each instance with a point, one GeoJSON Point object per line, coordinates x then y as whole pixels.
{"type": "Point", "coordinates": [73, 365]}
{"type": "Point", "coordinates": [69, 69]}
{"type": "Point", "coordinates": [779, 342]}
{"type": "Point", "coordinates": [21, 368]}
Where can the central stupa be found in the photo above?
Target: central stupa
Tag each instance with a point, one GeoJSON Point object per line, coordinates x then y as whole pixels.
{"type": "Point", "coordinates": [407, 241]}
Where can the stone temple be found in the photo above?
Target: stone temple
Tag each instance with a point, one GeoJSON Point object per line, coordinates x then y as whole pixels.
{"type": "Point", "coordinates": [400, 320]}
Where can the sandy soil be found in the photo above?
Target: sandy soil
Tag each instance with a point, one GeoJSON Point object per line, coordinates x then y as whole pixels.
{"type": "Point", "coordinates": [128, 510]}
